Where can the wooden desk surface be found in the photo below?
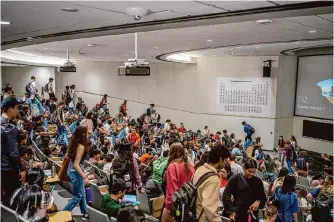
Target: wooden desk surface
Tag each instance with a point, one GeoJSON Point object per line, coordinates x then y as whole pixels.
{"type": "Point", "coordinates": [61, 216]}
{"type": "Point", "coordinates": [103, 189]}
{"type": "Point", "coordinates": [51, 180]}
{"type": "Point", "coordinates": [60, 163]}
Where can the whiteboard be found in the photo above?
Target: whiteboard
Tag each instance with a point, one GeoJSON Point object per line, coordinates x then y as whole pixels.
{"type": "Point", "coordinates": [244, 96]}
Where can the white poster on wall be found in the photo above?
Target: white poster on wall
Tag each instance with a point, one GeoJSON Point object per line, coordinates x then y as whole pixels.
{"type": "Point", "coordinates": [244, 96]}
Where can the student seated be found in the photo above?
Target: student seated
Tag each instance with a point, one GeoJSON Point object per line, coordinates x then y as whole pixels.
{"type": "Point", "coordinates": [129, 214]}
{"type": "Point", "coordinates": [31, 201]}
{"type": "Point", "coordinates": [146, 156]}
{"type": "Point", "coordinates": [111, 201]}
{"type": "Point", "coordinates": [95, 156]}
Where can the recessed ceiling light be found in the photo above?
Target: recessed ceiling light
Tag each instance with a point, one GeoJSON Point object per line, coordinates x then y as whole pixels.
{"type": "Point", "coordinates": [69, 9]}
{"type": "Point", "coordinates": [5, 23]}
{"type": "Point", "coordinates": [312, 31]}
{"type": "Point", "coordinates": [214, 55]}
{"type": "Point", "coordinates": [91, 45]}
{"type": "Point", "coordinates": [297, 43]}
{"type": "Point", "coordinates": [155, 47]}
{"type": "Point", "coordinates": [209, 40]}
{"type": "Point", "coordinates": [264, 21]}
{"type": "Point", "coordinates": [257, 47]}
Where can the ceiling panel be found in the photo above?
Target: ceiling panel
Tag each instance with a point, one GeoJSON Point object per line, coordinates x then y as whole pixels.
{"type": "Point", "coordinates": [182, 7]}
{"type": "Point", "coordinates": [327, 17]}
{"type": "Point", "coordinates": [52, 16]}
{"type": "Point", "coordinates": [151, 44]}
{"type": "Point", "coordinates": [314, 23]}
{"type": "Point", "coordinates": [241, 5]}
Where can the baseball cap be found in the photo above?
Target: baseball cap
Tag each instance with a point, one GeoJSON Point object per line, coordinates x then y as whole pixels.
{"type": "Point", "coordinates": [10, 102]}
{"type": "Point", "coordinates": [118, 185]}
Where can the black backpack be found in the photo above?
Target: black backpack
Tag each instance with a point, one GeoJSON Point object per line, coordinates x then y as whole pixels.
{"type": "Point", "coordinates": [121, 169]}
{"type": "Point", "coordinates": [301, 164]}
{"type": "Point", "coordinates": [28, 88]}
{"type": "Point", "coordinates": [322, 207]}
{"type": "Point", "coordinates": [183, 206]}
{"type": "Point", "coordinates": [46, 88]}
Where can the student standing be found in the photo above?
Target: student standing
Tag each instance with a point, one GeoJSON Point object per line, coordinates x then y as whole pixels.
{"type": "Point", "coordinates": [207, 196]}
{"type": "Point", "coordinates": [288, 207]}
{"type": "Point", "coordinates": [179, 171]}
{"type": "Point", "coordinates": [48, 88]}
{"type": "Point", "coordinates": [12, 170]}
{"type": "Point", "coordinates": [248, 193]}
{"type": "Point", "coordinates": [248, 129]}
{"type": "Point", "coordinates": [78, 149]}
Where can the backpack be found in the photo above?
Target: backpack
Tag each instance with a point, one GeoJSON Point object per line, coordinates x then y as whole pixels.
{"type": "Point", "coordinates": [252, 130]}
{"type": "Point", "coordinates": [322, 207]}
{"type": "Point", "coordinates": [28, 88]}
{"type": "Point", "coordinates": [301, 164]}
{"type": "Point", "coordinates": [183, 206]}
{"type": "Point", "coordinates": [121, 169]}
{"type": "Point", "coordinates": [46, 88]}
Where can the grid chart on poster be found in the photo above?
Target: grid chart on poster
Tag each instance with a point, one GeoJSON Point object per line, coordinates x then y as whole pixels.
{"type": "Point", "coordinates": [246, 96]}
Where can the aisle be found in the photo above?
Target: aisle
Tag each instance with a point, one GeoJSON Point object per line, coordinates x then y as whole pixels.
{"type": "Point", "coordinates": [61, 198]}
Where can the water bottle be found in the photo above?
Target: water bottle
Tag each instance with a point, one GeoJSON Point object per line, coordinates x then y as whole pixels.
{"type": "Point", "coordinates": [89, 194]}
{"type": "Point", "coordinates": [53, 170]}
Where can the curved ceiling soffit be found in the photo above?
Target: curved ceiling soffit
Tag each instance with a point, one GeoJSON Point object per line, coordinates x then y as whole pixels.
{"type": "Point", "coordinates": [299, 9]}
{"type": "Point", "coordinates": [162, 57]}
{"type": "Point", "coordinates": [292, 50]}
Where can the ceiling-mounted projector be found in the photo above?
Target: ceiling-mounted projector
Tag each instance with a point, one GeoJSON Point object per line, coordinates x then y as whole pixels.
{"type": "Point", "coordinates": [68, 65]}
{"type": "Point", "coordinates": [134, 67]}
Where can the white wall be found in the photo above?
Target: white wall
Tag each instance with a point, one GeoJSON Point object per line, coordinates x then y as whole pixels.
{"type": "Point", "coordinates": [19, 77]}
{"type": "Point", "coordinates": [182, 92]}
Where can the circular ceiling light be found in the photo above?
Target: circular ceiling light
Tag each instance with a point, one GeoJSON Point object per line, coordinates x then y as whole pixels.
{"type": "Point", "coordinates": [209, 40]}
{"type": "Point", "coordinates": [312, 31]}
{"type": "Point", "coordinates": [264, 21]}
{"type": "Point", "coordinates": [155, 47]}
{"type": "Point", "coordinates": [136, 12]}
{"type": "Point", "coordinates": [69, 9]}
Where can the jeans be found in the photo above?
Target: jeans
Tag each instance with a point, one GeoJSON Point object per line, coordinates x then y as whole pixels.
{"type": "Point", "coordinates": [270, 176]}
{"type": "Point", "coordinates": [79, 193]}
{"type": "Point", "coordinates": [289, 162]}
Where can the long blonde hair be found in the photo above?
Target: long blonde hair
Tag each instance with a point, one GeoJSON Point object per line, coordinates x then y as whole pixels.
{"type": "Point", "coordinates": [177, 152]}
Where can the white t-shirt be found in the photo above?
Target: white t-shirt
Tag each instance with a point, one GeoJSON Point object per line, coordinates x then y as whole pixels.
{"type": "Point", "coordinates": [304, 203]}
{"type": "Point", "coordinates": [107, 168]}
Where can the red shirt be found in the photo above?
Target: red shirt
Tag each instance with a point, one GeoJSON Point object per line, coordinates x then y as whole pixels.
{"type": "Point", "coordinates": [182, 130]}
{"type": "Point", "coordinates": [134, 139]}
{"type": "Point", "coordinates": [176, 177]}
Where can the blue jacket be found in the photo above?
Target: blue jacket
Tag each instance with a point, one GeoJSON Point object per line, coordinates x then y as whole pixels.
{"type": "Point", "coordinates": [248, 129]}
{"type": "Point", "coordinates": [10, 157]}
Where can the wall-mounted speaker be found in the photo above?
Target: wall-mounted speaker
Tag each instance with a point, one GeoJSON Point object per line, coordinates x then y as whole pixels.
{"type": "Point", "coordinates": [267, 68]}
{"type": "Point", "coordinates": [266, 71]}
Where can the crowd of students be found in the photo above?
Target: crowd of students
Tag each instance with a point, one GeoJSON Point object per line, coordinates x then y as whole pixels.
{"type": "Point", "coordinates": [149, 156]}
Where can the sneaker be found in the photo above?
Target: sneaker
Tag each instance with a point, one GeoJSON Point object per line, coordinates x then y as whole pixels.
{"type": "Point", "coordinates": [85, 217]}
